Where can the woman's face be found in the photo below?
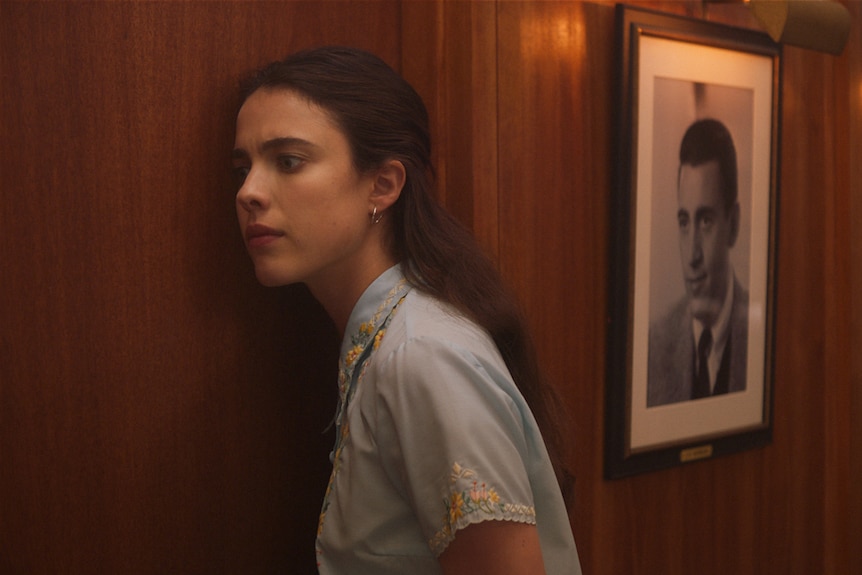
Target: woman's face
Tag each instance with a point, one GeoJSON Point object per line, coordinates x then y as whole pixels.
{"type": "Point", "coordinates": [303, 208]}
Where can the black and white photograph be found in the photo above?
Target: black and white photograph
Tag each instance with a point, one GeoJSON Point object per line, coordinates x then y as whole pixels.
{"type": "Point", "coordinates": [691, 338]}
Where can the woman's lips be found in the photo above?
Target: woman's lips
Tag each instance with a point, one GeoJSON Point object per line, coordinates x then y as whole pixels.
{"type": "Point", "coordinates": [257, 235]}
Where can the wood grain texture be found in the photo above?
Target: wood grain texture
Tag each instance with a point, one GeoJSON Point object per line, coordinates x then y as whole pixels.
{"type": "Point", "coordinates": [763, 511]}
{"type": "Point", "coordinates": [842, 381]}
{"type": "Point", "coordinates": [449, 55]}
{"type": "Point", "coordinates": [555, 82]}
{"type": "Point", "coordinates": [161, 412]}
{"type": "Point", "coordinates": [850, 517]}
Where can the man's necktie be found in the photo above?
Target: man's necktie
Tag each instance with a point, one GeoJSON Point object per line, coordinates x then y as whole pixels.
{"type": "Point", "coordinates": [701, 382]}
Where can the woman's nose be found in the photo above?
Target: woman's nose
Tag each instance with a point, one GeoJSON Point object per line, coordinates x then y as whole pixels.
{"type": "Point", "coordinates": [252, 195]}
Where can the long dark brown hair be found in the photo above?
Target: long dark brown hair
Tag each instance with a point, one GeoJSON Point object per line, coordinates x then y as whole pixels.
{"type": "Point", "coordinates": [384, 118]}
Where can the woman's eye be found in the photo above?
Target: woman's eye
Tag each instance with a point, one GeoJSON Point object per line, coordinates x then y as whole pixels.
{"type": "Point", "coordinates": [289, 163]}
{"type": "Point", "coordinates": [239, 174]}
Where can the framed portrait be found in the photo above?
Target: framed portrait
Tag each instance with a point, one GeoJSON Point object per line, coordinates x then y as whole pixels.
{"type": "Point", "coordinates": [693, 246]}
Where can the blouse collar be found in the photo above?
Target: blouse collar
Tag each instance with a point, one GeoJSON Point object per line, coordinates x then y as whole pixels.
{"type": "Point", "coordinates": [372, 308]}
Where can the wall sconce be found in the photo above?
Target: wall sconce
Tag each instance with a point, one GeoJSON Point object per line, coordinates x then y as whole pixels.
{"type": "Point", "coordinates": [822, 25]}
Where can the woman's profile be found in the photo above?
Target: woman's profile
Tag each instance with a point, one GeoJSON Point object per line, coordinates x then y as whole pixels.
{"type": "Point", "coordinates": [447, 454]}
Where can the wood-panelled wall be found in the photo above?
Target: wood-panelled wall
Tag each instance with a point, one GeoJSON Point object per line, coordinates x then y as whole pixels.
{"type": "Point", "coordinates": [160, 412]}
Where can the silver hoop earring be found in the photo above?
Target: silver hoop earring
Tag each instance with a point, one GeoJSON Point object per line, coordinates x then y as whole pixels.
{"type": "Point", "coordinates": [375, 218]}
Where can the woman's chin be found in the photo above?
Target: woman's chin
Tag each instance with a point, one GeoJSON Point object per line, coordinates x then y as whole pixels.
{"type": "Point", "coordinates": [269, 278]}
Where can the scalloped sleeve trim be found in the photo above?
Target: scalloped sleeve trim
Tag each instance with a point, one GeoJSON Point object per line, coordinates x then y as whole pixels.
{"type": "Point", "coordinates": [470, 501]}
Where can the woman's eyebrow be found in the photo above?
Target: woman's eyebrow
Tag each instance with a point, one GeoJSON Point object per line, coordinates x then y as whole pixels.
{"type": "Point", "coordinates": [285, 141]}
{"type": "Point", "coordinates": [274, 144]}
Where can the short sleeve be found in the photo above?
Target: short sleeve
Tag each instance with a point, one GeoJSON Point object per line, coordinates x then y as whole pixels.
{"type": "Point", "coordinates": [450, 426]}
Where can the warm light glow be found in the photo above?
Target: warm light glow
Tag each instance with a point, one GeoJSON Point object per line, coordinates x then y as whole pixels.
{"type": "Point", "coordinates": [565, 34]}
{"type": "Point", "coordinates": [557, 37]}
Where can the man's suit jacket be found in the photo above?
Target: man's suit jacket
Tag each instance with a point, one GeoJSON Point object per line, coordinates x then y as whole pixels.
{"type": "Point", "coordinates": [672, 351]}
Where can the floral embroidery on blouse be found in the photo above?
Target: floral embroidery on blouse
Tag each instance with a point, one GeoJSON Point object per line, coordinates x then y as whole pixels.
{"type": "Point", "coordinates": [366, 339]}
{"type": "Point", "coordinates": [473, 501]}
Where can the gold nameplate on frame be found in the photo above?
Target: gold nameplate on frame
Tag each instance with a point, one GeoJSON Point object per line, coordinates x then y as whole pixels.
{"type": "Point", "coordinates": [695, 453]}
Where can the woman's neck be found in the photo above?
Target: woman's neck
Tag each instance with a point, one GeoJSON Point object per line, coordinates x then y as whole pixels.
{"type": "Point", "coordinates": [339, 292]}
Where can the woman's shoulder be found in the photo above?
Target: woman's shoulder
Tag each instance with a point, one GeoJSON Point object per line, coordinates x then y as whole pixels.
{"type": "Point", "coordinates": [422, 316]}
{"type": "Point", "coordinates": [424, 334]}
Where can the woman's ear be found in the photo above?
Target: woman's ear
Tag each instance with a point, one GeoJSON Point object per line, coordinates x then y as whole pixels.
{"type": "Point", "coordinates": [388, 183]}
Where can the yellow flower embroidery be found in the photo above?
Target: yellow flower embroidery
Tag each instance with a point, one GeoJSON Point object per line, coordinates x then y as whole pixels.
{"type": "Point", "coordinates": [359, 342]}
{"type": "Point", "coordinates": [320, 523]}
{"type": "Point", "coordinates": [378, 337]}
{"type": "Point", "coordinates": [456, 506]}
{"type": "Point", "coordinates": [353, 354]}
{"type": "Point", "coordinates": [478, 499]}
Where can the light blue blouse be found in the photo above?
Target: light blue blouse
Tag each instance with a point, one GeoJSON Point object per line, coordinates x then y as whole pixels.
{"type": "Point", "coordinates": [433, 436]}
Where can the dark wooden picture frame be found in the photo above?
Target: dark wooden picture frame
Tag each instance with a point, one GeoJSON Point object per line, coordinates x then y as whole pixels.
{"type": "Point", "coordinates": [675, 72]}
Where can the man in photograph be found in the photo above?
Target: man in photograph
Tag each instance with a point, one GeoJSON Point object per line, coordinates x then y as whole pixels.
{"type": "Point", "coordinates": [699, 349]}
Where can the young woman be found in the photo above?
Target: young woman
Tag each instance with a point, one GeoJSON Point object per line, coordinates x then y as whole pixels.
{"type": "Point", "coordinates": [439, 464]}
